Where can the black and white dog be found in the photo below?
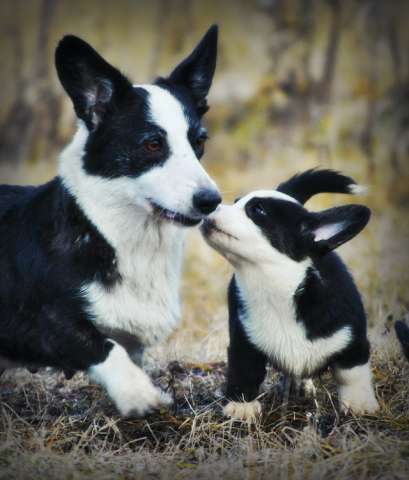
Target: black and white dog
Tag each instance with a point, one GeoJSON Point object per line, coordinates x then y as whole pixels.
{"type": "Point", "coordinates": [292, 301]}
{"type": "Point", "coordinates": [90, 262]}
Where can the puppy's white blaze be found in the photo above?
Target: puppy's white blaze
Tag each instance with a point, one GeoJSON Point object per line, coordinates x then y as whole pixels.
{"type": "Point", "coordinates": [128, 385]}
{"type": "Point", "coordinates": [327, 231]}
{"type": "Point", "coordinates": [356, 390]}
{"type": "Point", "coordinates": [269, 318]}
{"type": "Point", "coordinates": [265, 194]}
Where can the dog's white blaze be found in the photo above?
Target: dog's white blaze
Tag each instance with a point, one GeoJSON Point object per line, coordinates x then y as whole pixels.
{"type": "Point", "coordinates": [269, 318]}
{"type": "Point", "coordinates": [355, 389]}
{"type": "Point", "coordinates": [182, 174]}
{"type": "Point", "coordinates": [128, 385]}
{"type": "Point", "coordinates": [149, 252]}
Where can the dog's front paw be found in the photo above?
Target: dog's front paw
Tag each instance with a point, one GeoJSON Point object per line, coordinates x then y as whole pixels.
{"type": "Point", "coordinates": [244, 411]}
{"type": "Point", "coordinates": [140, 399]}
{"type": "Point", "coordinates": [128, 385]}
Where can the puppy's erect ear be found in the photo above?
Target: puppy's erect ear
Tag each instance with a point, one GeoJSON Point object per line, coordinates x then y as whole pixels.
{"type": "Point", "coordinates": [197, 70]}
{"type": "Point", "coordinates": [331, 228]}
{"type": "Point", "coordinates": [92, 83]}
{"type": "Point", "coordinates": [304, 185]}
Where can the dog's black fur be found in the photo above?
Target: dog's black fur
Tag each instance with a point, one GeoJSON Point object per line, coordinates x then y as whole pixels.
{"type": "Point", "coordinates": [44, 261]}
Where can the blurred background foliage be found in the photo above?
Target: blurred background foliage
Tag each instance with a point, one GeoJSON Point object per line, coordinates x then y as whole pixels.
{"type": "Point", "coordinates": [299, 83]}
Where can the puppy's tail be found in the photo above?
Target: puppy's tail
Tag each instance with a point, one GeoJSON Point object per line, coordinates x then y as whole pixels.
{"type": "Point", "coordinates": [304, 185]}
{"type": "Point", "coordinates": [402, 332]}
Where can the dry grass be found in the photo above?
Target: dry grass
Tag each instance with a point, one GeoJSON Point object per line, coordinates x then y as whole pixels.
{"type": "Point", "coordinates": [51, 428]}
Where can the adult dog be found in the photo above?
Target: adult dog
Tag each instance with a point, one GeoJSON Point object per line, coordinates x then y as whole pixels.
{"type": "Point", "coordinates": [90, 262]}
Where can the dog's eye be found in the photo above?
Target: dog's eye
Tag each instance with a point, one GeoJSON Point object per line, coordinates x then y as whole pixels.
{"type": "Point", "coordinates": [154, 145]}
{"type": "Point", "coordinates": [258, 209]}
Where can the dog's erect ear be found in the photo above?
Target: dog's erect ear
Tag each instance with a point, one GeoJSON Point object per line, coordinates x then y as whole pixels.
{"type": "Point", "coordinates": [304, 185]}
{"type": "Point", "coordinates": [331, 228]}
{"type": "Point", "coordinates": [402, 332]}
{"type": "Point", "coordinates": [197, 70]}
{"type": "Point", "coordinates": [92, 83]}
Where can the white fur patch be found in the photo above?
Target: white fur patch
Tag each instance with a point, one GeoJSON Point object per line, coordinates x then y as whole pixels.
{"type": "Point", "coordinates": [356, 189]}
{"type": "Point", "coordinates": [244, 411]}
{"type": "Point", "coordinates": [270, 320]}
{"type": "Point", "coordinates": [128, 385]}
{"type": "Point", "coordinates": [308, 388]}
{"type": "Point", "coordinates": [355, 389]}
{"type": "Point", "coordinates": [149, 252]}
{"type": "Point", "coordinates": [237, 238]}
{"type": "Point", "coordinates": [266, 194]}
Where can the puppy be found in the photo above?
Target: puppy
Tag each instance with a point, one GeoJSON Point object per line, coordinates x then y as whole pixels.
{"type": "Point", "coordinates": [292, 301]}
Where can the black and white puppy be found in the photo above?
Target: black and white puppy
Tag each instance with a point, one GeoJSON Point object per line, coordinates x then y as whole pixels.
{"type": "Point", "coordinates": [90, 262]}
{"type": "Point", "coordinates": [292, 301]}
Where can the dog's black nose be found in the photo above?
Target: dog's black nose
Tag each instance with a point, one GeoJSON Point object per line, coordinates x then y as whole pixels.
{"type": "Point", "coordinates": [205, 201]}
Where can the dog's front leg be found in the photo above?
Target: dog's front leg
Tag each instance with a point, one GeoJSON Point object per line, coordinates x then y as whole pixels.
{"type": "Point", "coordinates": [128, 385]}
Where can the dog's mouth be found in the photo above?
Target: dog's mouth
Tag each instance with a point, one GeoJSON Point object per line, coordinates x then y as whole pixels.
{"type": "Point", "coordinates": [173, 216]}
{"type": "Point", "coordinates": [209, 226]}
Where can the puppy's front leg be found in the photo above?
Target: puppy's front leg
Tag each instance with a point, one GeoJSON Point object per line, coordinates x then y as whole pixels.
{"type": "Point", "coordinates": [246, 372]}
{"type": "Point", "coordinates": [128, 385]}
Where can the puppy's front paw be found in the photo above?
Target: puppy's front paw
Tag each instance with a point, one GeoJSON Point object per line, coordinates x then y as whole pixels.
{"type": "Point", "coordinates": [244, 411]}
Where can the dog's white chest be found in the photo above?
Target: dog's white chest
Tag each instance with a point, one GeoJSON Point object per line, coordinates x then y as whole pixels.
{"type": "Point", "coordinates": [146, 302]}
{"type": "Point", "coordinates": [269, 320]}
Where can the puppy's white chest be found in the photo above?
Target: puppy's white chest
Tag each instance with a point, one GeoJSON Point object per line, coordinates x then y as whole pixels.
{"type": "Point", "coordinates": [270, 323]}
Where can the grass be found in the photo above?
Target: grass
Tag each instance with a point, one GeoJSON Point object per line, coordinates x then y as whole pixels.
{"type": "Point", "coordinates": [52, 428]}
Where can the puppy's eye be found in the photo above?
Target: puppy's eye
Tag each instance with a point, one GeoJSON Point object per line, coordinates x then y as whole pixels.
{"type": "Point", "coordinates": [258, 209]}
{"type": "Point", "coordinates": [154, 145]}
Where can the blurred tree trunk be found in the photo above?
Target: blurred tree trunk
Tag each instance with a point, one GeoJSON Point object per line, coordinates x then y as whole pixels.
{"type": "Point", "coordinates": [30, 126]}
{"type": "Point", "coordinates": [324, 86]}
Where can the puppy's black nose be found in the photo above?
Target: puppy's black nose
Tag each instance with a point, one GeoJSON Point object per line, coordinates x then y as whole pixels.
{"type": "Point", "coordinates": [205, 201]}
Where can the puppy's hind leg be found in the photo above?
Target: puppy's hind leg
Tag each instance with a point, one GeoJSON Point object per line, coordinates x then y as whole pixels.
{"type": "Point", "coordinates": [355, 389]}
